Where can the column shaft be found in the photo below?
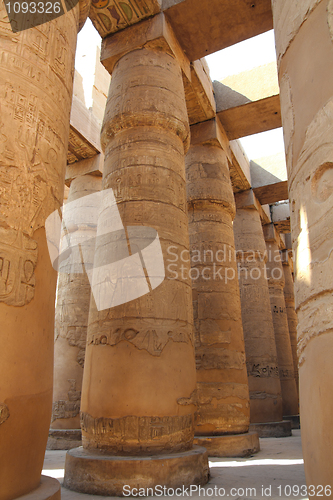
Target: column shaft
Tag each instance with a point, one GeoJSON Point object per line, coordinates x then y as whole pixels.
{"type": "Point", "coordinates": [71, 318]}
{"type": "Point", "coordinates": [275, 276]}
{"type": "Point", "coordinates": [261, 356]}
{"type": "Point", "coordinates": [148, 348]}
{"type": "Point", "coordinates": [36, 79]}
{"type": "Point", "coordinates": [304, 38]}
{"type": "Point", "coordinates": [223, 394]}
{"type": "Point", "coordinates": [289, 299]}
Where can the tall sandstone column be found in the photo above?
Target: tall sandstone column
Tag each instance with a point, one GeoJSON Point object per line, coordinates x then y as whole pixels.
{"type": "Point", "coordinates": [71, 321]}
{"type": "Point", "coordinates": [304, 42]}
{"type": "Point", "coordinates": [139, 377]}
{"type": "Point", "coordinates": [36, 80]}
{"type": "Point", "coordinates": [289, 299]}
{"type": "Point", "coordinates": [223, 415]}
{"type": "Point", "coordinates": [275, 277]}
{"type": "Point", "coordinates": [260, 348]}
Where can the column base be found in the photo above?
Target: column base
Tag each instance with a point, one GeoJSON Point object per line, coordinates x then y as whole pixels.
{"type": "Point", "coordinates": [272, 429]}
{"type": "Point", "coordinates": [64, 439]}
{"type": "Point", "coordinates": [295, 421]}
{"type": "Point", "coordinates": [49, 489]}
{"type": "Point", "coordinates": [95, 473]}
{"type": "Point", "coordinates": [234, 445]}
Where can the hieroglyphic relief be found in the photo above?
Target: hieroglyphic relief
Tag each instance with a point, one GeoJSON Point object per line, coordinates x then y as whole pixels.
{"type": "Point", "coordinates": [35, 99]}
{"type": "Point", "coordinates": [18, 258]}
{"type": "Point", "coordinates": [69, 408]}
{"type": "Point", "coordinates": [152, 340]}
{"type": "Point", "coordinates": [139, 434]}
{"type": "Point", "coordinates": [262, 370]}
{"type": "Point", "coordinates": [109, 16]}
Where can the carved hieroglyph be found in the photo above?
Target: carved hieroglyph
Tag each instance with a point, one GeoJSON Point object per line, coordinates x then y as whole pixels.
{"type": "Point", "coordinates": [260, 348]}
{"type": "Point", "coordinates": [36, 79]}
{"type": "Point", "coordinates": [71, 317]}
{"type": "Point", "coordinates": [223, 397]}
{"type": "Point", "coordinates": [140, 355]}
{"type": "Point", "coordinates": [33, 63]}
{"type": "Point", "coordinates": [275, 276]}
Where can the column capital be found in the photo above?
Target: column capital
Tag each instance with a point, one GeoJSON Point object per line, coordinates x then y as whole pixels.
{"type": "Point", "coordinates": [89, 166]}
{"type": "Point", "coordinates": [210, 133]}
{"type": "Point", "coordinates": [154, 33]}
{"type": "Point", "coordinates": [272, 235]}
{"type": "Point", "coordinates": [248, 200]}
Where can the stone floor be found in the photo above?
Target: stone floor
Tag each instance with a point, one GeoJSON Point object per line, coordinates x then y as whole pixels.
{"type": "Point", "coordinates": [275, 472]}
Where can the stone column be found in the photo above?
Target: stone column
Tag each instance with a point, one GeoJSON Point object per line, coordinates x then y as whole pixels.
{"type": "Point", "coordinates": [36, 79]}
{"type": "Point", "coordinates": [223, 414]}
{"type": "Point", "coordinates": [289, 299]}
{"type": "Point", "coordinates": [304, 38]}
{"type": "Point", "coordinates": [71, 320]}
{"type": "Point", "coordinates": [260, 348]}
{"type": "Point", "coordinates": [139, 377]}
{"type": "Point", "coordinates": [275, 277]}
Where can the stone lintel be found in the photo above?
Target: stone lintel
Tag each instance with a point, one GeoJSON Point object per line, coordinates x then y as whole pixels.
{"type": "Point", "coordinates": [272, 193]}
{"type": "Point", "coordinates": [252, 117]}
{"type": "Point", "coordinates": [272, 235]}
{"type": "Point", "coordinates": [199, 93]}
{"type": "Point", "coordinates": [155, 33]}
{"type": "Point", "coordinates": [247, 199]}
{"type": "Point", "coordinates": [84, 134]}
{"type": "Point", "coordinates": [90, 166]}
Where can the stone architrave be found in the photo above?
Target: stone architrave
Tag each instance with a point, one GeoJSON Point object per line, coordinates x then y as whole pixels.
{"type": "Point", "coordinates": [223, 414]}
{"type": "Point", "coordinates": [36, 81]}
{"type": "Point", "coordinates": [304, 38]}
{"type": "Point", "coordinates": [139, 378]}
{"type": "Point", "coordinates": [71, 320]}
{"type": "Point", "coordinates": [289, 299]}
{"type": "Point", "coordinates": [275, 277]}
{"type": "Point", "coordinates": [260, 348]}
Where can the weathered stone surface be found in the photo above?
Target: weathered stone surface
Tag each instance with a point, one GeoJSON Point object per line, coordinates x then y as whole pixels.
{"type": "Point", "coordinates": [310, 59]}
{"type": "Point", "coordinates": [236, 445]}
{"type": "Point", "coordinates": [71, 318]}
{"type": "Point", "coordinates": [36, 79]}
{"type": "Point", "coordinates": [288, 17]}
{"type": "Point", "coordinates": [222, 396]}
{"type": "Point", "coordinates": [260, 348]}
{"type": "Point", "coordinates": [146, 344]}
{"type": "Point", "coordinates": [276, 282]}
{"type": "Point", "coordinates": [95, 473]}
{"type": "Point", "coordinates": [272, 429]}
